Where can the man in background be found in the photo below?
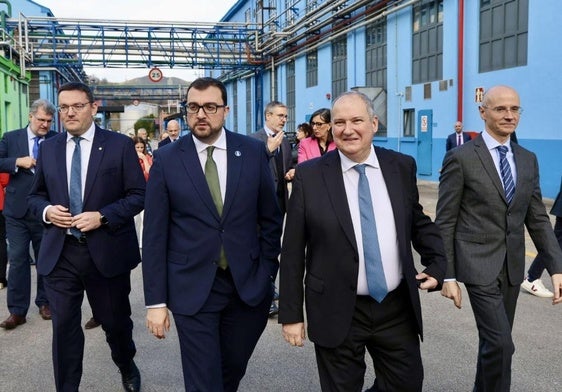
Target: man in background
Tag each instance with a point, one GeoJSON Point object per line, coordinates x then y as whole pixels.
{"type": "Point", "coordinates": [457, 138]}
{"type": "Point", "coordinates": [143, 134]}
{"type": "Point", "coordinates": [19, 151]}
{"type": "Point", "coordinates": [173, 131]}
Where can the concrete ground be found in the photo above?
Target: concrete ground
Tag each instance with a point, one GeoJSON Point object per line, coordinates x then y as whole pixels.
{"type": "Point", "coordinates": [449, 349]}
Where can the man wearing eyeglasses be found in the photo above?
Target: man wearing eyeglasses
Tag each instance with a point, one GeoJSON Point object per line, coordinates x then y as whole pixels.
{"type": "Point", "coordinates": [18, 155]}
{"type": "Point", "coordinates": [488, 193]}
{"type": "Point", "coordinates": [88, 187]}
{"type": "Point", "coordinates": [211, 242]}
{"type": "Point", "coordinates": [279, 148]}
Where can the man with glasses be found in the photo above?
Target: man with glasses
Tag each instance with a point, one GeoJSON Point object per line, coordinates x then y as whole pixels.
{"type": "Point", "coordinates": [488, 193]}
{"type": "Point", "coordinates": [211, 242]}
{"type": "Point", "coordinates": [19, 150]}
{"type": "Point", "coordinates": [88, 187]}
{"type": "Point", "coordinates": [279, 148]}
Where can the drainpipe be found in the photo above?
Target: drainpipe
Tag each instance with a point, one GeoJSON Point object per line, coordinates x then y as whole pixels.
{"type": "Point", "coordinates": [460, 61]}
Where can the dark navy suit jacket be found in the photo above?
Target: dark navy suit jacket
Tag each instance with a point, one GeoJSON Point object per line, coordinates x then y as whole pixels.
{"type": "Point", "coordinates": [183, 232]}
{"type": "Point", "coordinates": [452, 140]}
{"type": "Point", "coordinates": [115, 187]}
{"type": "Point", "coordinates": [14, 145]}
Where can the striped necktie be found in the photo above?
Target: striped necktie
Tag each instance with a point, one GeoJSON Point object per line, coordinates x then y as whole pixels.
{"type": "Point", "coordinates": [507, 177]}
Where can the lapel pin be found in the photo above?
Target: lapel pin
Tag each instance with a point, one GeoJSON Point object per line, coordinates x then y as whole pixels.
{"type": "Point", "coordinates": [100, 148]}
{"type": "Point", "coordinates": [237, 153]}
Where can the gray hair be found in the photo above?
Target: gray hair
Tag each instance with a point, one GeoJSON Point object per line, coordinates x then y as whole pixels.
{"type": "Point", "coordinates": [47, 107]}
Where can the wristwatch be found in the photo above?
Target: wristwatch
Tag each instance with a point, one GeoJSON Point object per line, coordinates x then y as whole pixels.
{"type": "Point", "coordinates": [103, 220]}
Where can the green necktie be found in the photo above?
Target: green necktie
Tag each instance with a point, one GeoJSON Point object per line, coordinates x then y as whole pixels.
{"type": "Point", "coordinates": [212, 177]}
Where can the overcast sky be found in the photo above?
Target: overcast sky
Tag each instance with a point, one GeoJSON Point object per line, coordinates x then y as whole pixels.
{"type": "Point", "coordinates": [164, 10]}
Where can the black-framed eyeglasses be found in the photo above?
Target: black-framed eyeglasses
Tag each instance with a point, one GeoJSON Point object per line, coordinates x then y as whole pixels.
{"type": "Point", "coordinates": [77, 107]}
{"type": "Point", "coordinates": [317, 124]}
{"type": "Point", "coordinates": [208, 108]}
{"type": "Point", "coordinates": [504, 109]}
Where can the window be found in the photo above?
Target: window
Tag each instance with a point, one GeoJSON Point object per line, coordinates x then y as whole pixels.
{"type": "Point", "coordinates": [427, 41]}
{"type": "Point", "coordinates": [375, 62]}
{"type": "Point", "coordinates": [503, 34]}
{"type": "Point", "coordinates": [409, 123]}
{"type": "Point", "coordinates": [291, 90]}
{"type": "Point", "coordinates": [312, 69]}
{"type": "Point", "coordinates": [339, 66]}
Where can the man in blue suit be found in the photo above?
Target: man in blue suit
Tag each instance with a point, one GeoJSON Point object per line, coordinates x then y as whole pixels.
{"type": "Point", "coordinates": [457, 138]}
{"type": "Point", "coordinates": [18, 155]}
{"type": "Point", "coordinates": [211, 242]}
{"type": "Point", "coordinates": [87, 205]}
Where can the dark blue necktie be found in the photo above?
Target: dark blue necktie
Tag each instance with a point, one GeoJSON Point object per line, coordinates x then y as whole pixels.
{"type": "Point", "coordinates": [507, 178]}
{"type": "Point", "coordinates": [76, 184]}
{"type": "Point", "coordinates": [35, 151]}
{"type": "Point", "coordinates": [371, 250]}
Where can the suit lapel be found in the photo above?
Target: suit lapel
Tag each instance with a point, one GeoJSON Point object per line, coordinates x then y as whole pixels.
{"type": "Point", "coordinates": [96, 155]}
{"type": "Point", "coordinates": [333, 179]}
{"type": "Point", "coordinates": [192, 165]}
{"type": "Point", "coordinates": [485, 158]}
{"type": "Point", "coordinates": [60, 157]}
{"type": "Point", "coordinates": [234, 159]}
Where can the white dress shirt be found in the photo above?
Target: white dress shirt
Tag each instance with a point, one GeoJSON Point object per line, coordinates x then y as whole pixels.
{"type": "Point", "coordinates": [384, 217]}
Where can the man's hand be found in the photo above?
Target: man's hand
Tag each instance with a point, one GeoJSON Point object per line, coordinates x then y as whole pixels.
{"type": "Point", "coordinates": [452, 291]}
{"type": "Point", "coordinates": [158, 322]}
{"type": "Point", "coordinates": [86, 221]}
{"type": "Point", "coordinates": [557, 288]}
{"type": "Point", "coordinates": [290, 175]}
{"type": "Point", "coordinates": [59, 216]}
{"type": "Point", "coordinates": [25, 162]}
{"type": "Point", "coordinates": [294, 334]}
{"type": "Point", "coordinates": [426, 282]}
{"type": "Point", "coordinates": [273, 142]}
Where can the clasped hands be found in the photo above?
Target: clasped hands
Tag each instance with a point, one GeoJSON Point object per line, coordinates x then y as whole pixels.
{"type": "Point", "coordinates": [60, 216]}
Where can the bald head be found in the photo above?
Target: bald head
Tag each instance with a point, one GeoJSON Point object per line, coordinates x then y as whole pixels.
{"type": "Point", "coordinates": [173, 129]}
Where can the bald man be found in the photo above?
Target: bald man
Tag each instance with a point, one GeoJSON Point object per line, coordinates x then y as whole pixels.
{"type": "Point", "coordinates": [173, 131]}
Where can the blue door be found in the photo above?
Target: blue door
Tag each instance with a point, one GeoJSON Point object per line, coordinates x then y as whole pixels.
{"type": "Point", "coordinates": [425, 141]}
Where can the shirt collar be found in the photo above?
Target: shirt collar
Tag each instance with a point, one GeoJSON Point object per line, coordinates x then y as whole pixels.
{"type": "Point", "coordinates": [348, 164]}
{"type": "Point", "coordinates": [88, 135]}
{"type": "Point", "coordinates": [492, 143]}
{"type": "Point", "coordinates": [219, 143]}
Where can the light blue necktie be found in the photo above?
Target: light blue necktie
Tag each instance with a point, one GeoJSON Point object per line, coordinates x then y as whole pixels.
{"type": "Point", "coordinates": [507, 178]}
{"type": "Point", "coordinates": [373, 260]}
{"type": "Point", "coordinates": [76, 184]}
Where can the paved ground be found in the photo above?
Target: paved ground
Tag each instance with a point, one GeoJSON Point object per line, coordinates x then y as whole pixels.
{"type": "Point", "coordinates": [449, 349]}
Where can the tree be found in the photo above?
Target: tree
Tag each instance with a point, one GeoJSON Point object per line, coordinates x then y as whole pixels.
{"type": "Point", "coordinates": [148, 123]}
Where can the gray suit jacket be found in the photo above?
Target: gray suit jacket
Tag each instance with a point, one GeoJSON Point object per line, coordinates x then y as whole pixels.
{"type": "Point", "coordinates": [480, 230]}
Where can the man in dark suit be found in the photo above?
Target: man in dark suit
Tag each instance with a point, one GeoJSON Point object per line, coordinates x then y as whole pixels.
{"type": "Point", "coordinates": [279, 149]}
{"type": "Point", "coordinates": [211, 243]}
{"type": "Point", "coordinates": [326, 246]}
{"type": "Point", "coordinates": [88, 187]}
{"type": "Point", "coordinates": [489, 191]}
{"type": "Point", "coordinates": [18, 155]}
{"type": "Point", "coordinates": [173, 131]}
{"type": "Point", "coordinates": [457, 138]}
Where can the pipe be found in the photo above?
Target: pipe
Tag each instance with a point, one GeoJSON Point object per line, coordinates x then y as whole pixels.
{"type": "Point", "coordinates": [460, 61]}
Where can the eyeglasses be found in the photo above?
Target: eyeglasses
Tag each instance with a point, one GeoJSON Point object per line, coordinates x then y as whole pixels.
{"type": "Point", "coordinates": [208, 108]}
{"type": "Point", "coordinates": [317, 124]}
{"type": "Point", "coordinates": [503, 109]}
{"type": "Point", "coordinates": [280, 116]}
{"type": "Point", "coordinates": [77, 107]}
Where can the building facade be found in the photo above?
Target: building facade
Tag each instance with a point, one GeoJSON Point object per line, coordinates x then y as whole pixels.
{"type": "Point", "coordinates": [424, 63]}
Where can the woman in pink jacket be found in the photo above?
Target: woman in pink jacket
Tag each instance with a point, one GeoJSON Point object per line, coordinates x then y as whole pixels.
{"type": "Point", "coordinates": [321, 140]}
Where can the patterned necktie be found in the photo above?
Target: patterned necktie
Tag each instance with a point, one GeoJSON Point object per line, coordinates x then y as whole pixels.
{"type": "Point", "coordinates": [212, 177]}
{"type": "Point", "coordinates": [35, 151]}
{"type": "Point", "coordinates": [371, 250]}
{"type": "Point", "coordinates": [507, 178]}
{"type": "Point", "coordinates": [76, 184]}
